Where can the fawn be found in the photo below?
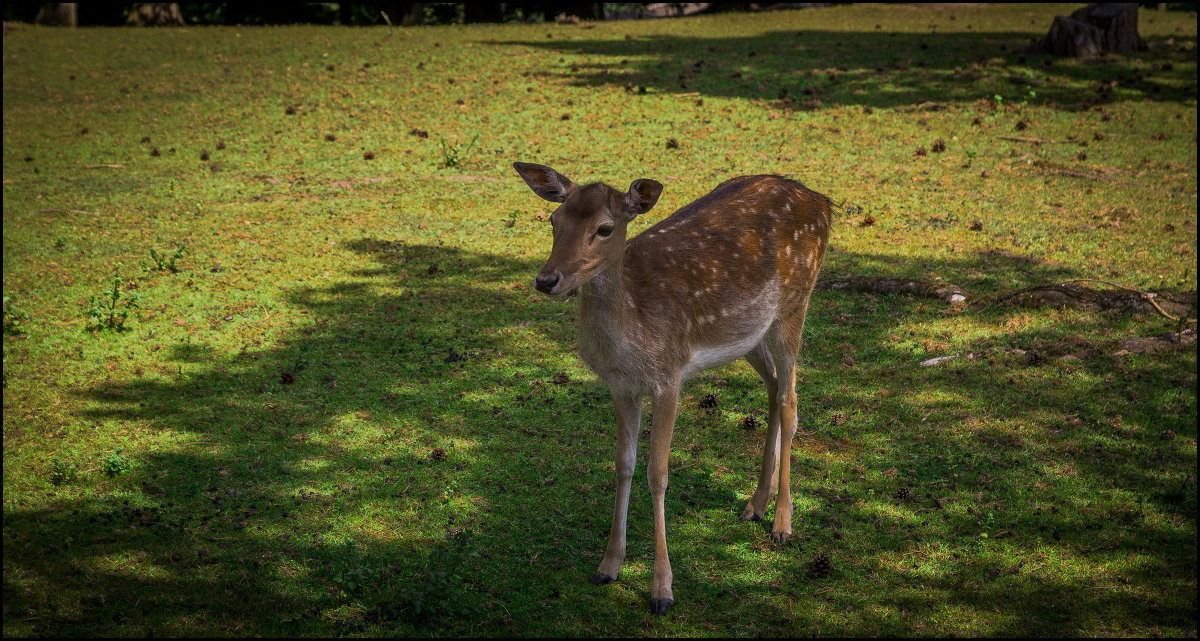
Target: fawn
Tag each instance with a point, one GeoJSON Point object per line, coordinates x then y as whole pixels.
{"type": "Point", "coordinates": [726, 277]}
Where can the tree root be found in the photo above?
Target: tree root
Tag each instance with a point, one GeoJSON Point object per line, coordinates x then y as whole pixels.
{"type": "Point", "coordinates": [923, 288]}
{"type": "Point", "coordinates": [1172, 305]}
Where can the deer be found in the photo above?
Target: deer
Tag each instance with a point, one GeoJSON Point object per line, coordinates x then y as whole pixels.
{"type": "Point", "coordinates": [727, 276]}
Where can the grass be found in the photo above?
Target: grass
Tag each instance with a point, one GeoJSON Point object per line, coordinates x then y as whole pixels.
{"type": "Point", "coordinates": [341, 413]}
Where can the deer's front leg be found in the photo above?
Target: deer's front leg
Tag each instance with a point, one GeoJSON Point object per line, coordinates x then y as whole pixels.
{"type": "Point", "coordinates": [666, 404]}
{"type": "Point", "coordinates": [629, 420]}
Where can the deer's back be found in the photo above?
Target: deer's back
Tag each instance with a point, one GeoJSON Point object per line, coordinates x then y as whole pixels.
{"type": "Point", "coordinates": [747, 231]}
{"type": "Point", "coordinates": [720, 270]}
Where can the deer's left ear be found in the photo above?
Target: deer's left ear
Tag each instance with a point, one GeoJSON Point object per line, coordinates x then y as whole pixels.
{"type": "Point", "coordinates": [643, 193]}
{"type": "Point", "coordinates": [545, 182]}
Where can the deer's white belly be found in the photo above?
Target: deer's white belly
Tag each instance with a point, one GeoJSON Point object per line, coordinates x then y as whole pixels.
{"type": "Point", "coordinates": [745, 326]}
{"type": "Point", "coordinates": [707, 357]}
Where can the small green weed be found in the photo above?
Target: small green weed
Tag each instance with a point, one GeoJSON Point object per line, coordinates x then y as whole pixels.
{"type": "Point", "coordinates": [454, 155]}
{"type": "Point", "coordinates": [351, 571]}
{"type": "Point", "coordinates": [14, 317]}
{"type": "Point", "coordinates": [61, 471]}
{"type": "Point", "coordinates": [165, 262]}
{"type": "Point", "coordinates": [111, 309]}
{"type": "Point", "coordinates": [442, 595]}
{"type": "Point", "coordinates": [116, 464]}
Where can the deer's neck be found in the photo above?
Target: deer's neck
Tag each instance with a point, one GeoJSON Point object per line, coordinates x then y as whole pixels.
{"type": "Point", "coordinates": [607, 340]}
{"type": "Point", "coordinates": [603, 305]}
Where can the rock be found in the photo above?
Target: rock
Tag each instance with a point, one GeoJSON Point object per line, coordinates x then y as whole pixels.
{"type": "Point", "coordinates": [939, 360]}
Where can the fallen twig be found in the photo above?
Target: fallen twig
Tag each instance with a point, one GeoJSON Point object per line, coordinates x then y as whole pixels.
{"type": "Point", "coordinates": [67, 211]}
{"type": "Point", "coordinates": [1092, 176]}
{"type": "Point", "coordinates": [260, 320]}
{"type": "Point", "coordinates": [930, 105]}
{"type": "Point", "coordinates": [1039, 141]}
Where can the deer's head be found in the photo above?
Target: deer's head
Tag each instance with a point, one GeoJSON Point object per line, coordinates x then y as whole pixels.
{"type": "Point", "coordinates": [589, 225]}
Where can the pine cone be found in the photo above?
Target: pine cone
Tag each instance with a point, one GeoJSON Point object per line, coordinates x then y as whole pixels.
{"type": "Point", "coordinates": [438, 454]}
{"type": "Point", "coordinates": [902, 494]}
{"type": "Point", "coordinates": [709, 402]}
{"type": "Point", "coordinates": [820, 566]}
{"type": "Point", "coordinates": [838, 418]}
{"type": "Point", "coordinates": [750, 423]}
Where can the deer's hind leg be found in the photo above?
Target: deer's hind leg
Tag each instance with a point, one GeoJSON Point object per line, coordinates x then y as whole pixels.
{"type": "Point", "coordinates": [761, 360]}
{"type": "Point", "coordinates": [784, 345]}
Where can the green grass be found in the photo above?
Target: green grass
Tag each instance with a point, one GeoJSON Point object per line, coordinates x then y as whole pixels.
{"type": "Point", "coordinates": [259, 451]}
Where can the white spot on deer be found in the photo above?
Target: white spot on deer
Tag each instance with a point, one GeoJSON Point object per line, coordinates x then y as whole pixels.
{"type": "Point", "coordinates": [796, 235]}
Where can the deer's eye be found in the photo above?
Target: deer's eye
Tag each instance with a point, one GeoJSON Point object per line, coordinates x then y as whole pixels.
{"type": "Point", "coordinates": [605, 231]}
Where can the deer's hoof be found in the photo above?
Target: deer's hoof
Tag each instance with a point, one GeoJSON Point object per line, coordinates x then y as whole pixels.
{"type": "Point", "coordinates": [601, 578]}
{"type": "Point", "coordinates": [780, 538]}
{"type": "Point", "coordinates": [749, 514]}
{"type": "Point", "coordinates": [659, 607]}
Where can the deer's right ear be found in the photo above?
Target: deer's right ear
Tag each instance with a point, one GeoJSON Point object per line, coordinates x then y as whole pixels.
{"type": "Point", "coordinates": [545, 182]}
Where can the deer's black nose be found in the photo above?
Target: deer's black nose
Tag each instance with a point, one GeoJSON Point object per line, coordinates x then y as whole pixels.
{"type": "Point", "coordinates": [545, 283]}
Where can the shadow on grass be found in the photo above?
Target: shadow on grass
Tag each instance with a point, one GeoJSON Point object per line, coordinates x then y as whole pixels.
{"type": "Point", "coordinates": [810, 69]}
{"type": "Point", "coordinates": [314, 483]}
